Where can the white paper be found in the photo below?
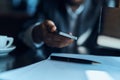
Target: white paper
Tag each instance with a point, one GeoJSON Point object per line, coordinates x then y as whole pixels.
{"type": "Point", "coordinates": [58, 70]}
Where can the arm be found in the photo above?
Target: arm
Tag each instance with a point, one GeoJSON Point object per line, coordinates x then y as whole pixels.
{"type": "Point", "coordinates": [27, 37]}
{"type": "Point", "coordinates": [45, 32]}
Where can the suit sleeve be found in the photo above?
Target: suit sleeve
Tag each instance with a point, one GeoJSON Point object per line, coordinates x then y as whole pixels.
{"type": "Point", "coordinates": [26, 34]}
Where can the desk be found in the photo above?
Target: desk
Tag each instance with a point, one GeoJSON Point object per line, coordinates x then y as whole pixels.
{"type": "Point", "coordinates": [6, 63]}
{"type": "Point", "coordinates": [22, 59]}
{"type": "Point", "coordinates": [56, 70]}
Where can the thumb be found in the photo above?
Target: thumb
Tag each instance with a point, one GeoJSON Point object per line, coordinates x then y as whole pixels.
{"type": "Point", "coordinates": [50, 26]}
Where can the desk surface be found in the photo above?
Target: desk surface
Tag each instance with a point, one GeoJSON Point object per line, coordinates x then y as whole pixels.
{"type": "Point", "coordinates": [56, 70]}
{"type": "Point", "coordinates": [22, 58]}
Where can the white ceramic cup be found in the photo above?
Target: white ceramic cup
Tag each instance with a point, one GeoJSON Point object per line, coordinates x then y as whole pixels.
{"type": "Point", "coordinates": [5, 41]}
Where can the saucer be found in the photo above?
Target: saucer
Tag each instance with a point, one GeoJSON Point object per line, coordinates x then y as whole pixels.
{"type": "Point", "coordinates": [6, 51]}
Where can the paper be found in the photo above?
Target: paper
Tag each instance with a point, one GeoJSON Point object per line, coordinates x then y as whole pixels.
{"type": "Point", "coordinates": [56, 70]}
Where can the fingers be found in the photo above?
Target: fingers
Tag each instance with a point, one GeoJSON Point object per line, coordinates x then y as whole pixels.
{"type": "Point", "coordinates": [58, 44]}
{"type": "Point", "coordinates": [57, 41]}
{"type": "Point", "coordinates": [42, 30]}
{"type": "Point", "coordinates": [47, 29]}
{"type": "Point", "coordinates": [50, 26]}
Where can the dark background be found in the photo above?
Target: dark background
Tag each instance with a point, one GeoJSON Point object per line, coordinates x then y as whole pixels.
{"type": "Point", "coordinates": [13, 15]}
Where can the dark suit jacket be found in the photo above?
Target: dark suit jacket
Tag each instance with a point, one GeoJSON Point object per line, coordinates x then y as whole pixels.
{"type": "Point", "coordinates": [55, 10]}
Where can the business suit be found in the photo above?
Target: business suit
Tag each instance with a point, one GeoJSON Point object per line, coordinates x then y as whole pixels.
{"type": "Point", "coordinates": [55, 10]}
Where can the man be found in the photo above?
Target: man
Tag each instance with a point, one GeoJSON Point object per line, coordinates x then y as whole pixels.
{"type": "Point", "coordinates": [79, 17]}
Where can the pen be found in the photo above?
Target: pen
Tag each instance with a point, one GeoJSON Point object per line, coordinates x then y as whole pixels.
{"type": "Point", "coordinates": [74, 60]}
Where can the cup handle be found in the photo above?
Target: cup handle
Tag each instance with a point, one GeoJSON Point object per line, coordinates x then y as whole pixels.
{"type": "Point", "coordinates": [10, 41]}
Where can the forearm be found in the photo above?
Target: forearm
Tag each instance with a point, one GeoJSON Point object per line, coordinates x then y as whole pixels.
{"type": "Point", "coordinates": [30, 39]}
{"type": "Point", "coordinates": [36, 33]}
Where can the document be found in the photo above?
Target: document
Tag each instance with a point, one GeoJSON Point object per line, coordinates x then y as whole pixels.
{"type": "Point", "coordinates": [59, 70]}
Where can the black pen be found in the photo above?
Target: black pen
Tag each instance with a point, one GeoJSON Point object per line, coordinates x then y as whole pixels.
{"type": "Point", "coordinates": [74, 60]}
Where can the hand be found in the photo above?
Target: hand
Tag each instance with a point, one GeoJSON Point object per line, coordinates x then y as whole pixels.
{"type": "Point", "coordinates": [47, 34]}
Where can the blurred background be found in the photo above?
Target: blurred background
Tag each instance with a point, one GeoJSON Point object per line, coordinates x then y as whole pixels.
{"type": "Point", "coordinates": [13, 15]}
{"type": "Point", "coordinates": [21, 6]}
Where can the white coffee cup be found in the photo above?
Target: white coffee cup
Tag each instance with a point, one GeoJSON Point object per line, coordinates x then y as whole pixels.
{"type": "Point", "coordinates": [5, 41]}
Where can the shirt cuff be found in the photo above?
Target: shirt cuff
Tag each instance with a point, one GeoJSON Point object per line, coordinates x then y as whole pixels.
{"type": "Point", "coordinates": [38, 45]}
